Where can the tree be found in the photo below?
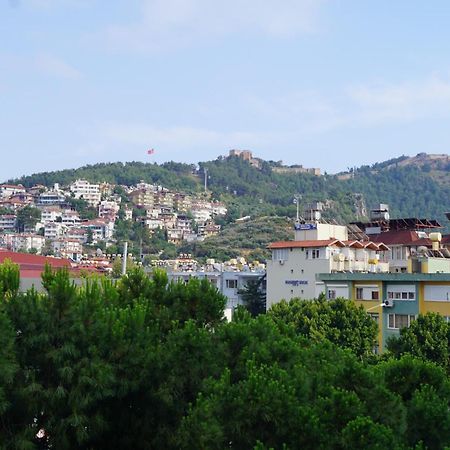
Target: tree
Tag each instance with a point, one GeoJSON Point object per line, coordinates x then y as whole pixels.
{"type": "Point", "coordinates": [27, 218]}
{"type": "Point", "coordinates": [424, 389]}
{"type": "Point", "coordinates": [339, 321]}
{"type": "Point", "coordinates": [253, 297]}
{"type": "Point", "coordinates": [117, 266]}
{"type": "Point", "coordinates": [427, 337]}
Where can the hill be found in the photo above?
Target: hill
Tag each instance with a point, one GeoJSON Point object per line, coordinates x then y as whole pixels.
{"type": "Point", "coordinates": [417, 186]}
{"type": "Point", "coordinates": [248, 239]}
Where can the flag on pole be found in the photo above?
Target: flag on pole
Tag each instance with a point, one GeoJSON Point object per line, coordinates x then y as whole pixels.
{"type": "Point", "coordinates": [150, 151]}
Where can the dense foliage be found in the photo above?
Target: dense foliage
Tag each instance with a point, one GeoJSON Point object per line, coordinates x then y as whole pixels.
{"type": "Point", "coordinates": [171, 175]}
{"type": "Point", "coordinates": [143, 363]}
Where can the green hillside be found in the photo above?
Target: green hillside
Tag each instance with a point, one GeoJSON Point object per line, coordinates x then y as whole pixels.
{"type": "Point", "coordinates": [416, 186]}
{"type": "Point", "coordinates": [248, 239]}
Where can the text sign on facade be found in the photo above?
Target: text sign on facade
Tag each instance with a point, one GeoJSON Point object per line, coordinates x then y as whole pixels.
{"type": "Point", "coordinates": [296, 282]}
{"type": "Point", "coordinates": [305, 226]}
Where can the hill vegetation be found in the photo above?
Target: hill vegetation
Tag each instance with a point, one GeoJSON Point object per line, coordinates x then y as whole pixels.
{"type": "Point", "coordinates": [413, 187]}
{"type": "Point", "coordinates": [248, 239]}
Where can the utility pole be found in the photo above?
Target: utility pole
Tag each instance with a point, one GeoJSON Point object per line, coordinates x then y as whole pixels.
{"type": "Point", "coordinates": [297, 198]}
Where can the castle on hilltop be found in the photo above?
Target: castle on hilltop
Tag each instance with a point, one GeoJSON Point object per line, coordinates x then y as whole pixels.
{"type": "Point", "coordinates": [247, 155]}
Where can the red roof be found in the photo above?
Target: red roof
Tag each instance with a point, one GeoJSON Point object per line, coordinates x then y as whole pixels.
{"type": "Point", "coordinates": [403, 237]}
{"type": "Point", "coordinates": [305, 244]}
{"type": "Point", "coordinates": [27, 261]}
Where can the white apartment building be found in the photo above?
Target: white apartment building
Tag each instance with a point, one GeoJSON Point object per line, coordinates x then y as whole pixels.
{"type": "Point", "coordinates": [8, 222]}
{"type": "Point", "coordinates": [77, 234]}
{"type": "Point", "coordinates": [68, 248]}
{"type": "Point", "coordinates": [8, 190]}
{"type": "Point", "coordinates": [51, 197]}
{"type": "Point", "coordinates": [50, 214]}
{"type": "Point", "coordinates": [24, 242]}
{"type": "Point", "coordinates": [108, 209]}
{"type": "Point", "coordinates": [87, 191]}
{"type": "Point", "coordinates": [153, 224]}
{"type": "Point", "coordinates": [54, 230]}
{"type": "Point", "coordinates": [70, 217]}
{"type": "Point", "coordinates": [291, 272]}
{"type": "Point", "coordinates": [101, 229]}
{"type": "Point", "coordinates": [201, 214]}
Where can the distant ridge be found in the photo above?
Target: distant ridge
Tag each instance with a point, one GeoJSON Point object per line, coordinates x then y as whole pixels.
{"type": "Point", "coordinates": [412, 186]}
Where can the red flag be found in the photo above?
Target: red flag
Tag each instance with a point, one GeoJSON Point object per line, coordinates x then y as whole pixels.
{"type": "Point", "coordinates": [151, 151]}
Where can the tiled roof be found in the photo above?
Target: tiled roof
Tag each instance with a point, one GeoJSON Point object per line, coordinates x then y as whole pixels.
{"type": "Point", "coordinates": [27, 261]}
{"type": "Point", "coordinates": [327, 243]}
{"type": "Point", "coordinates": [306, 244]}
{"type": "Point", "coordinates": [396, 237]}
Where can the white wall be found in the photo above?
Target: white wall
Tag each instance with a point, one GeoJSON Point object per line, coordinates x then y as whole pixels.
{"type": "Point", "coordinates": [295, 277]}
{"type": "Point", "coordinates": [437, 293]}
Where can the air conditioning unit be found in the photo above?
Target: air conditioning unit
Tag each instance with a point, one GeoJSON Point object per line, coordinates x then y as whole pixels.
{"type": "Point", "coordinates": [389, 303]}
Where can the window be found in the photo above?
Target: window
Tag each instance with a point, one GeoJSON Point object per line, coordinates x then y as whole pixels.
{"type": "Point", "coordinates": [331, 294]}
{"type": "Point", "coordinates": [375, 295]}
{"type": "Point", "coordinates": [359, 293]}
{"type": "Point", "coordinates": [403, 295]}
{"type": "Point", "coordinates": [398, 321]}
{"type": "Point", "coordinates": [231, 284]}
{"type": "Point", "coordinates": [280, 254]}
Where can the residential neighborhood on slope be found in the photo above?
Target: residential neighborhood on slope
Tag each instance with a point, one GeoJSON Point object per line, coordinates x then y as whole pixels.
{"type": "Point", "coordinates": [50, 221]}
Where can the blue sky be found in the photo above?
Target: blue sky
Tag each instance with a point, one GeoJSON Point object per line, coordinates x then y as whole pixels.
{"type": "Point", "coordinates": [323, 83]}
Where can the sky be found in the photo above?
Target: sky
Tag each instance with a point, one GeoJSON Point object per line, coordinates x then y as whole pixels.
{"type": "Point", "coordinates": [323, 83]}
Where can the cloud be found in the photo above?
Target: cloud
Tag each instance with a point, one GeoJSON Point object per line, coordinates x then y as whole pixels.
{"type": "Point", "coordinates": [363, 105]}
{"type": "Point", "coordinates": [402, 102]}
{"type": "Point", "coordinates": [177, 23]}
{"type": "Point", "coordinates": [51, 65]}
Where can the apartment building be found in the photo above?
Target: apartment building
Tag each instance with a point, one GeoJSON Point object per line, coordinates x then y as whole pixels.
{"type": "Point", "coordinates": [51, 197]}
{"type": "Point", "coordinates": [8, 222]}
{"type": "Point", "coordinates": [87, 191]}
{"type": "Point", "coordinates": [394, 300]}
{"type": "Point", "coordinates": [318, 248]}
{"type": "Point", "coordinates": [8, 190]}
{"type": "Point", "coordinates": [67, 248]}
{"type": "Point", "coordinates": [24, 242]}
